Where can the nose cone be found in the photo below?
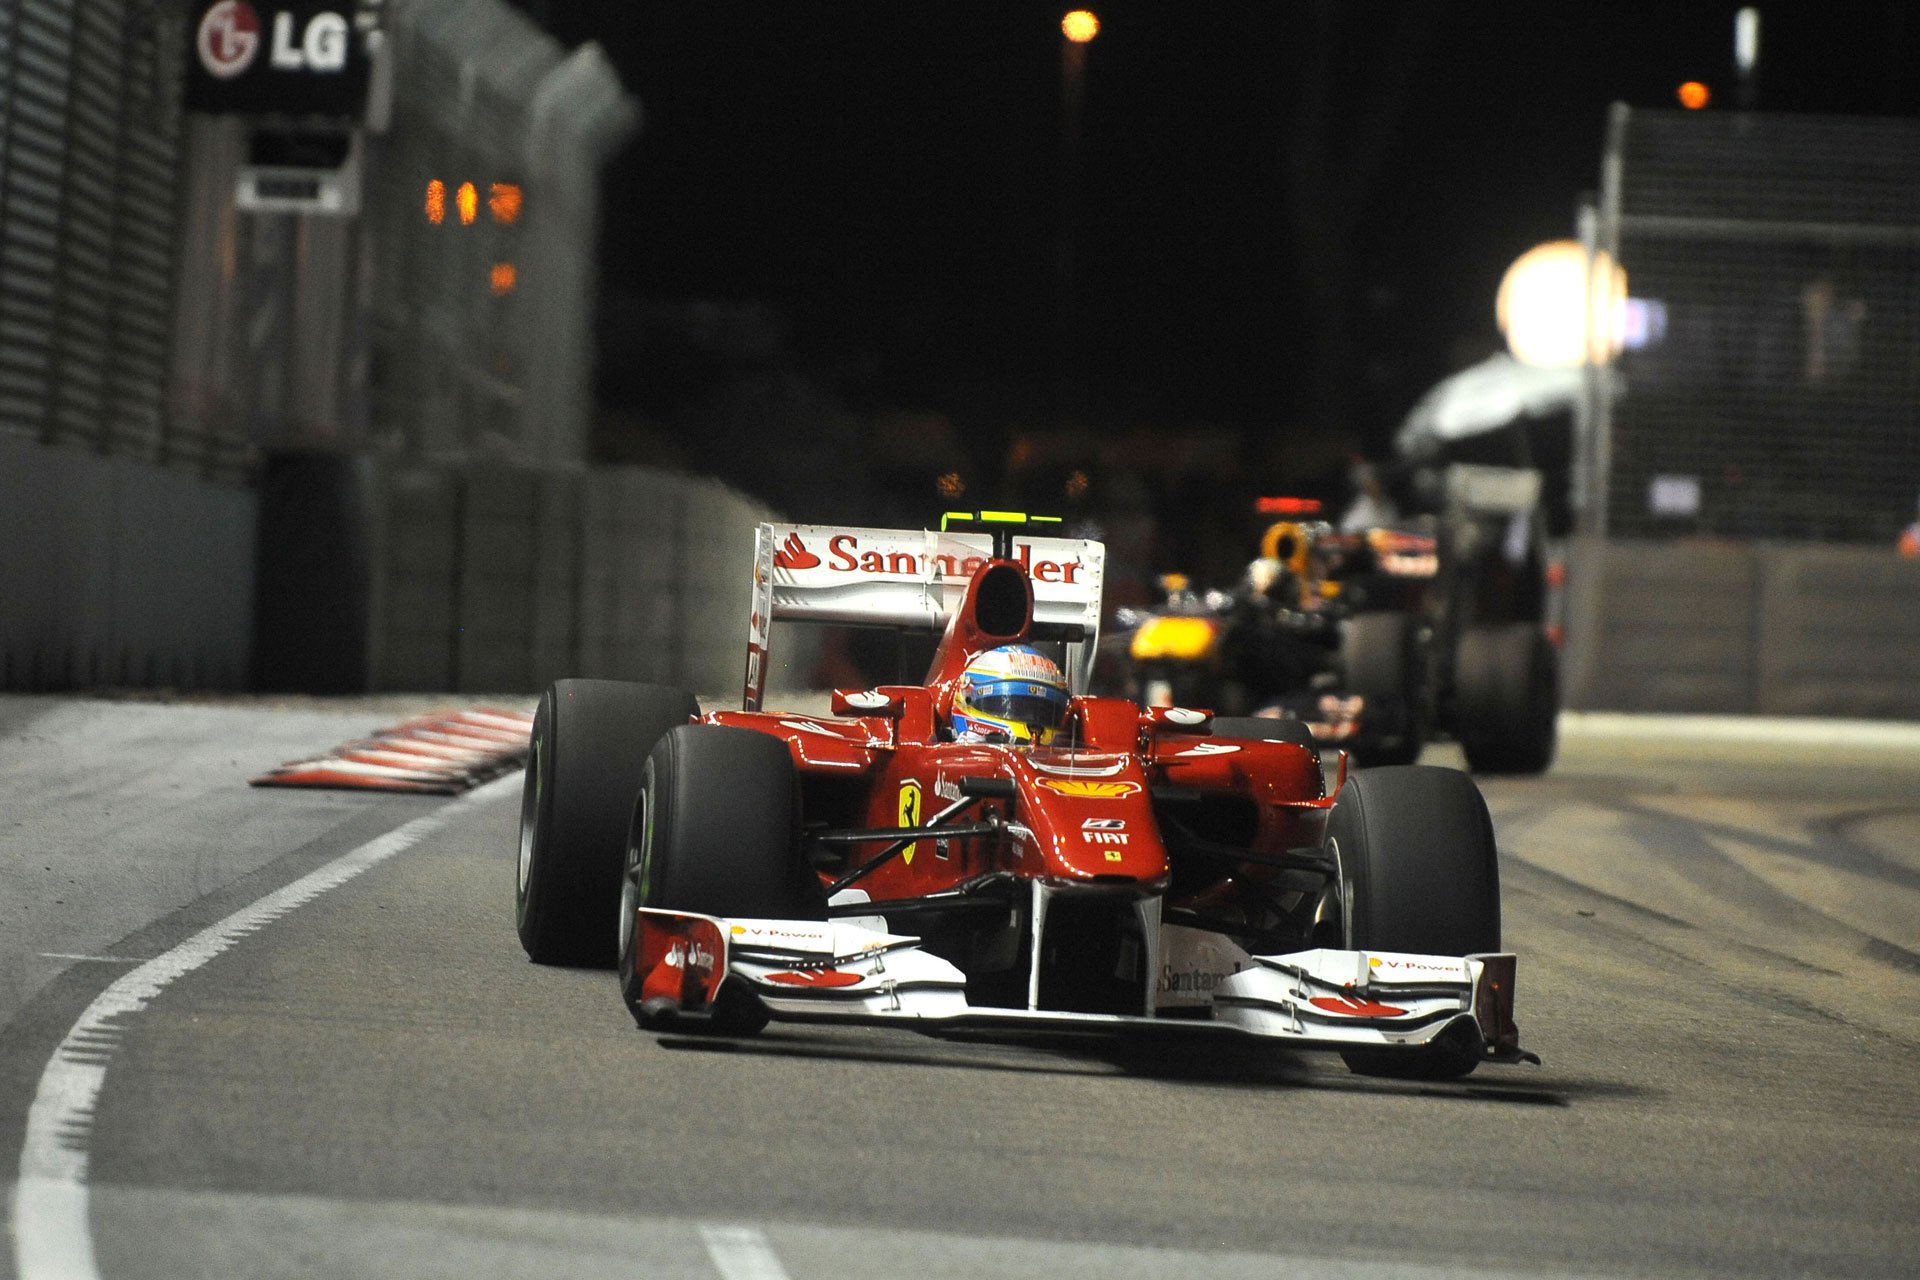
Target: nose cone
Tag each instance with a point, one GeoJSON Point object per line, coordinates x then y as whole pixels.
{"type": "Point", "coordinates": [1091, 818]}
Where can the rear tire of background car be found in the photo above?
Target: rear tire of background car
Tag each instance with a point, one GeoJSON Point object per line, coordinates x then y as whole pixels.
{"type": "Point", "coordinates": [1506, 698]}
{"type": "Point", "coordinates": [1417, 856]}
{"type": "Point", "coordinates": [590, 741]}
{"type": "Point", "coordinates": [715, 831]}
{"type": "Point", "coordinates": [1381, 655]}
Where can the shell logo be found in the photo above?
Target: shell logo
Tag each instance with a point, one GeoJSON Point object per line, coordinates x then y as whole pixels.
{"type": "Point", "coordinates": [1081, 789]}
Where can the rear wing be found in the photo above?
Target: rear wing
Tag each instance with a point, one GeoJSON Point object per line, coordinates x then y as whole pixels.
{"type": "Point", "coordinates": [913, 578]}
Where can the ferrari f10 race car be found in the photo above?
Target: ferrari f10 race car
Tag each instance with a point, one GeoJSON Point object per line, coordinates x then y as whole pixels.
{"type": "Point", "coordinates": [994, 850]}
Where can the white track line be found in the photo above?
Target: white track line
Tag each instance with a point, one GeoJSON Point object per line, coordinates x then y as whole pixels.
{"type": "Point", "coordinates": [741, 1252]}
{"type": "Point", "coordinates": [51, 1237]}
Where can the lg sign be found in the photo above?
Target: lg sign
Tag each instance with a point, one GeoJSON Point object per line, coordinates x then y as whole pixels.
{"type": "Point", "coordinates": [230, 40]}
{"type": "Point", "coordinates": [293, 57]}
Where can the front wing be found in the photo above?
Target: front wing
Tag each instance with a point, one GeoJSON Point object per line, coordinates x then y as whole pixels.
{"type": "Point", "coordinates": [810, 970]}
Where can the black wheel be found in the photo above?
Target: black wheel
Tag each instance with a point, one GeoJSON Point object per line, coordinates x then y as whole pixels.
{"type": "Point", "coordinates": [1506, 698]}
{"type": "Point", "coordinates": [590, 742]}
{"type": "Point", "coordinates": [1381, 654]}
{"type": "Point", "coordinates": [1417, 858]}
{"type": "Point", "coordinates": [715, 830]}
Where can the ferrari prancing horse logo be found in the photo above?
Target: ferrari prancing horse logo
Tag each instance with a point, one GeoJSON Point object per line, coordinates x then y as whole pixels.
{"type": "Point", "coordinates": [909, 814]}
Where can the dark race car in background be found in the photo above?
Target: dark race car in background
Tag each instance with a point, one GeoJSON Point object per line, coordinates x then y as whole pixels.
{"type": "Point", "coordinates": [1380, 639]}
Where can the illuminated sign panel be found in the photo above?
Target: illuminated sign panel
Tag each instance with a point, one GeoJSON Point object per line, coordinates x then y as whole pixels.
{"type": "Point", "coordinates": [277, 57]}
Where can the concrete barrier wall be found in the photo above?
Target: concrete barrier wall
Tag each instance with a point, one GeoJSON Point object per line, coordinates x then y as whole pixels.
{"type": "Point", "coordinates": [118, 572]}
{"type": "Point", "coordinates": [1776, 629]}
{"type": "Point", "coordinates": [501, 579]}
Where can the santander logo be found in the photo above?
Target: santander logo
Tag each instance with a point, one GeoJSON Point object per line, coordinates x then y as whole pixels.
{"type": "Point", "coordinates": [229, 39]}
{"type": "Point", "coordinates": [845, 555]}
{"type": "Point", "coordinates": [793, 554]}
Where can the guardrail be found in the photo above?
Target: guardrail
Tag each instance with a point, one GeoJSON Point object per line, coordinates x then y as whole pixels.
{"type": "Point", "coordinates": [1772, 628]}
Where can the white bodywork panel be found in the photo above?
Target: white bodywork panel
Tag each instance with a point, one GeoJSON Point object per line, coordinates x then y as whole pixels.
{"type": "Point", "coordinates": [910, 578]}
{"type": "Point", "coordinates": [836, 970]}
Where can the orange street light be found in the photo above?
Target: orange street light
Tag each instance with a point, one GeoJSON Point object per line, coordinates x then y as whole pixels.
{"type": "Point", "coordinates": [1080, 26]}
{"type": "Point", "coordinates": [436, 202]}
{"type": "Point", "coordinates": [467, 201]}
{"type": "Point", "coordinates": [1693, 95]}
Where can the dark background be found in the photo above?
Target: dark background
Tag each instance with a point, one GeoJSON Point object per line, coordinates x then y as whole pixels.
{"type": "Point", "coordinates": [831, 255]}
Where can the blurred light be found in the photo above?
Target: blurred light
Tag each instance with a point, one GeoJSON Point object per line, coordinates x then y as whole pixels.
{"type": "Point", "coordinates": [1559, 310]}
{"type": "Point", "coordinates": [1287, 506]}
{"type": "Point", "coordinates": [436, 202]}
{"type": "Point", "coordinates": [503, 202]}
{"type": "Point", "coordinates": [1746, 40]}
{"type": "Point", "coordinates": [1077, 485]}
{"type": "Point", "coordinates": [1080, 26]}
{"type": "Point", "coordinates": [951, 485]}
{"type": "Point", "coordinates": [505, 276]}
{"type": "Point", "coordinates": [1694, 95]}
{"type": "Point", "coordinates": [467, 200]}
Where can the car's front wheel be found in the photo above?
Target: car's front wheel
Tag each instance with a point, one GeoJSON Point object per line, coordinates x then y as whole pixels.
{"type": "Point", "coordinates": [1417, 858]}
{"type": "Point", "coordinates": [590, 740]}
{"type": "Point", "coordinates": [715, 831]}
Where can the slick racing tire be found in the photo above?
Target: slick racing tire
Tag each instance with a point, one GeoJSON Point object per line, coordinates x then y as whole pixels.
{"type": "Point", "coordinates": [1381, 655]}
{"type": "Point", "coordinates": [590, 742]}
{"type": "Point", "coordinates": [1416, 854]}
{"type": "Point", "coordinates": [1506, 698]}
{"type": "Point", "coordinates": [715, 830]}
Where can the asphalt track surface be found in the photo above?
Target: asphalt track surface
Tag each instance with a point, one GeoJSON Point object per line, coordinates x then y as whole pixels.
{"type": "Point", "coordinates": [1720, 963]}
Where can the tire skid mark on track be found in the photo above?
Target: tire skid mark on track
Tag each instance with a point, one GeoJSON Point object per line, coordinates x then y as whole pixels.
{"type": "Point", "coordinates": [51, 1236]}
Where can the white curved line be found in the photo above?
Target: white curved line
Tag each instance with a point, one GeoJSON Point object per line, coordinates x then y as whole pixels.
{"type": "Point", "coordinates": [51, 1238]}
{"type": "Point", "coordinates": [741, 1252]}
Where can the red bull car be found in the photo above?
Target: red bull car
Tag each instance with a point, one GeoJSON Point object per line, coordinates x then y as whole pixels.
{"type": "Point", "coordinates": [993, 849]}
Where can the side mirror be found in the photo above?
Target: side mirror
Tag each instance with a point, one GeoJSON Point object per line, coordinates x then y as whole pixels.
{"type": "Point", "coordinates": [1178, 720]}
{"type": "Point", "coordinates": [865, 702]}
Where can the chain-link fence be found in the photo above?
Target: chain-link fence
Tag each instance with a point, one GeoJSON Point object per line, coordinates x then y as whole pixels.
{"type": "Point", "coordinates": [1774, 263]}
{"type": "Point", "coordinates": [1749, 472]}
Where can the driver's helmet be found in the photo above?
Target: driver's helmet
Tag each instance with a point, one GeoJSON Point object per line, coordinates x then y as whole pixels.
{"type": "Point", "coordinates": [1015, 692]}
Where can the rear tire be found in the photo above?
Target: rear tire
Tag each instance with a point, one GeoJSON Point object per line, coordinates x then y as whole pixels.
{"type": "Point", "coordinates": [1381, 655]}
{"type": "Point", "coordinates": [1506, 698]}
{"type": "Point", "coordinates": [715, 831]}
{"type": "Point", "coordinates": [1417, 857]}
{"type": "Point", "coordinates": [590, 741]}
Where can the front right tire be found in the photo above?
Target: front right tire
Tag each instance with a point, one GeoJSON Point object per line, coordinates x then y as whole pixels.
{"type": "Point", "coordinates": [715, 831]}
{"type": "Point", "coordinates": [590, 742]}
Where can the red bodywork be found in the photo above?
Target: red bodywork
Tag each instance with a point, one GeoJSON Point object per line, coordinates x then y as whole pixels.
{"type": "Point", "coordinates": [1080, 815]}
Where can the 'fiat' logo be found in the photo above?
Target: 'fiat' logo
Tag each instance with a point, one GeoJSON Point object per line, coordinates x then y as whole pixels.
{"type": "Point", "coordinates": [229, 38]}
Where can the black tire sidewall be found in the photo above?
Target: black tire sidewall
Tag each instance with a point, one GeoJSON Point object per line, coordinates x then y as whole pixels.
{"type": "Point", "coordinates": [1418, 860]}
{"type": "Point", "coordinates": [724, 839]}
{"type": "Point", "coordinates": [590, 743]}
{"type": "Point", "coordinates": [1506, 698]}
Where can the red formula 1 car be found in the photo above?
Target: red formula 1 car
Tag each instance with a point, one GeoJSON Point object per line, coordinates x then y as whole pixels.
{"type": "Point", "coordinates": [992, 849]}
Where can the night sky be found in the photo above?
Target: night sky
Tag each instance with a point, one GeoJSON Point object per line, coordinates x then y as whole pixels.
{"type": "Point", "coordinates": [1291, 217]}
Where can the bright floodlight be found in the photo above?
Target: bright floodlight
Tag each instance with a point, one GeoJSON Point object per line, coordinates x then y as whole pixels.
{"type": "Point", "coordinates": [1080, 26]}
{"type": "Point", "coordinates": [1557, 310]}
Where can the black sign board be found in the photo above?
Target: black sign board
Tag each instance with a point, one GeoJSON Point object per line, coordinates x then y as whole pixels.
{"type": "Point", "coordinates": [276, 57]}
